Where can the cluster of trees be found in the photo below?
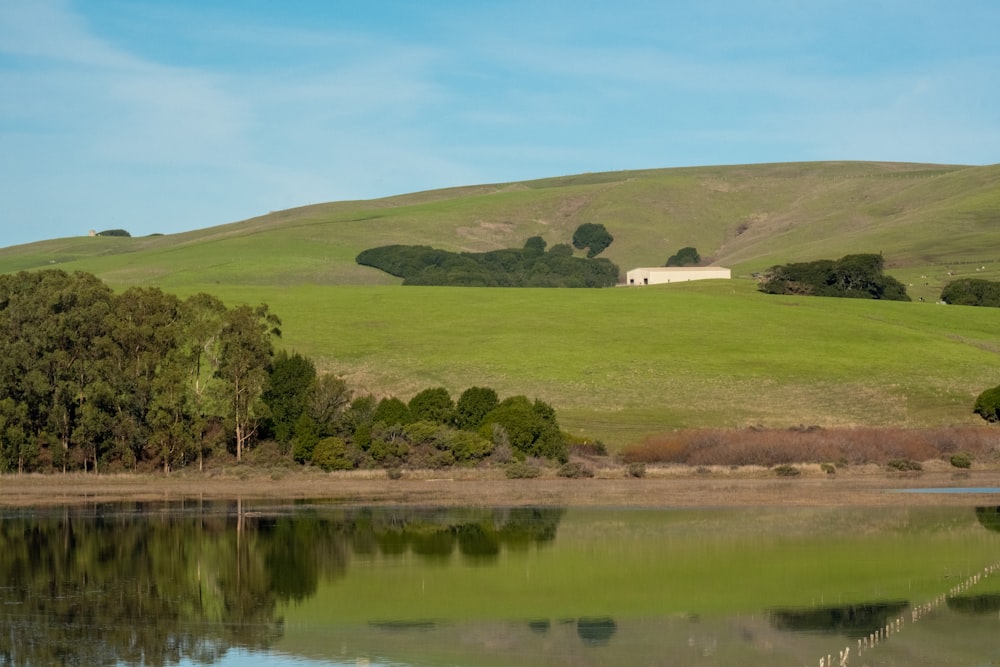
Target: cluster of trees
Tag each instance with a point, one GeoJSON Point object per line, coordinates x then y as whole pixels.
{"type": "Point", "coordinates": [855, 276]}
{"type": "Point", "coordinates": [314, 418]}
{"type": "Point", "coordinates": [530, 266]}
{"type": "Point", "coordinates": [93, 380]}
{"type": "Point", "coordinates": [972, 292]}
{"type": "Point", "coordinates": [687, 256]}
{"type": "Point", "coordinates": [90, 379]}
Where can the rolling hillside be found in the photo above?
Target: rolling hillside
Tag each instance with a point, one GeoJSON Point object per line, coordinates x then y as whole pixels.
{"type": "Point", "coordinates": [923, 218]}
{"type": "Point", "coordinates": [619, 364]}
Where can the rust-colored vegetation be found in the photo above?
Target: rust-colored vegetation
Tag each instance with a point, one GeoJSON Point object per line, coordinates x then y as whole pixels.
{"type": "Point", "coordinates": [846, 446]}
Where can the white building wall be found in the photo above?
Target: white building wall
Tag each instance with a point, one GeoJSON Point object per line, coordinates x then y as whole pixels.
{"type": "Point", "coordinates": [660, 275]}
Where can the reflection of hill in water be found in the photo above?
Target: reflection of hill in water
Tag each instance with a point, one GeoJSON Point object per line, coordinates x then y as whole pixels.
{"type": "Point", "coordinates": [74, 583]}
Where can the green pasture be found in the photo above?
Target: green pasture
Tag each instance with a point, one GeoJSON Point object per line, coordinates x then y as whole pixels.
{"type": "Point", "coordinates": [619, 364]}
{"type": "Point", "coordinates": [652, 564]}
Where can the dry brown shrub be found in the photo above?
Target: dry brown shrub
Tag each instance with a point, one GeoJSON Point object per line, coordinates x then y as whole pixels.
{"type": "Point", "coordinates": [771, 447]}
{"type": "Point", "coordinates": [667, 448]}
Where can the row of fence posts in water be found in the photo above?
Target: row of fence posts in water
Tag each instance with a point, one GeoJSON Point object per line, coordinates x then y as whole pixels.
{"type": "Point", "coordinates": [916, 613]}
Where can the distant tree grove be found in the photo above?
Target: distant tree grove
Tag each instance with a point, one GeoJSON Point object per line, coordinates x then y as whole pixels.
{"type": "Point", "coordinates": [972, 292]}
{"type": "Point", "coordinates": [93, 380]}
{"type": "Point", "coordinates": [853, 276]}
{"type": "Point", "coordinates": [529, 266]}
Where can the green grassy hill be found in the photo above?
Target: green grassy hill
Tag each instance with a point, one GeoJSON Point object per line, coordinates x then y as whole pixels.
{"type": "Point", "coordinates": [622, 363]}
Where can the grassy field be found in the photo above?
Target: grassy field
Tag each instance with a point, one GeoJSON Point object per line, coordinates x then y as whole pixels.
{"type": "Point", "coordinates": [620, 364]}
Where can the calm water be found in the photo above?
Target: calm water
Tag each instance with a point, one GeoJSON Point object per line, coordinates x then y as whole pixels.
{"type": "Point", "coordinates": [313, 584]}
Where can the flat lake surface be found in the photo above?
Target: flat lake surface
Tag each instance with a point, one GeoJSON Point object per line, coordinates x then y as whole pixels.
{"type": "Point", "coordinates": [306, 583]}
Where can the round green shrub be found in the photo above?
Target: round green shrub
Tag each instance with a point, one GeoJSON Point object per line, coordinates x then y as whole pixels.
{"type": "Point", "coordinates": [961, 460]}
{"type": "Point", "coordinates": [332, 454]}
{"type": "Point", "coordinates": [574, 470]}
{"type": "Point", "coordinates": [787, 471]}
{"type": "Point", "coordinates": [522, 470]}
{"type": "Point", "coordinates": [905, 465]}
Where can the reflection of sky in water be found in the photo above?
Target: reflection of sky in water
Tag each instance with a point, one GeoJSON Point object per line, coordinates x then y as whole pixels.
{"type": "Point", "coordinates": [952, 489]}
{"type": "Point", "coordinates": [241, 658]}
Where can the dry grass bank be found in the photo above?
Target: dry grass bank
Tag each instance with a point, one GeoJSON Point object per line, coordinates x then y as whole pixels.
{"type": "Point", "coordinates": [662, 486]}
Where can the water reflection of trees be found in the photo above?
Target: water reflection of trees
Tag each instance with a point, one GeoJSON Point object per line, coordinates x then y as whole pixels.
{"type": "Point", "coordinates": [856, 620]}
{"type": "Point", "coordinates": [149, 585]}
{"type": "Point", "coordinates": [988, 603]}
{"type": "Point", "coordinates": [989, 517]}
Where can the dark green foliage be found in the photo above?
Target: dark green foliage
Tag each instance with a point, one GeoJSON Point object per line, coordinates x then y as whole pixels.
{"type": "Point", "coordinates": [529, 266]}
{"type": "Point", "coordinates": [972, 292]}
{"type": "Point", "coordinates": [387, 449]}
{"type": "Point", "coordinates": [288, 394]}
{"type": "Point", "coordinates": [332, 454]}
{"type": "Point", "coordinates": [466, 446]}
{"type": "Point", "coordinates": [403, 261]}
{"type": "Point", "coordinates": [444, 445]}
{"type": "Point", "coordinates": [392, 411]}
{"type": "Point", "coordinates": [787, 471]}
{"type": "Point", "coordinates": [905, 465]}
{"type": "Point", "coordinates": [989, 517]}
{"type": "Point", "coordinates": [114, 232]}
{"type": "Point", "coordinates": [305, 437]}
{"type": "Point", "coordinates": [855, 276]}
{"type": "Point", "coordinates": [433, 405]}
{"type": "Point", "coordinates": [686, 256]}
{"type": "Point", "coordinates": [561, 250]}
{"type": "Point", "coordinates": [828, 468]}
{"type": "Point", "coordinates": [531, 429]}
{"type": "Point", "coordinates": [961, 460]}
{"type": "Point", "coordinates": [534, 246]}
{"type": "Point", "coordinates": [360, 413]}
{"type": "Point", "coordinates": [988, 405]}
{"type": "Point", "coordinates": [473, 405]}
{"type": "Point", "coordinates": [592, 236]}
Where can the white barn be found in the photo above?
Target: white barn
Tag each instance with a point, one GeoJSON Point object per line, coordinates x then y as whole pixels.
{"type": "Point", "coordinates": [659, 275]}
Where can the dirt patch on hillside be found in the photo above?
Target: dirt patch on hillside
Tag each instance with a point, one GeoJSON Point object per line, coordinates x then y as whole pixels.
{"type": "Point", "coordinates": [660, 488]}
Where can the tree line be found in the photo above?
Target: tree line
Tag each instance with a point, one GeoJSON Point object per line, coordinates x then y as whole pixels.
{"type": "Point", "coordinates": [93, 380]}
{"type": "Point", "coordinates": [533, 265]}
{"type": "Point", "coordinates": [854, 276]}
{"type": "Point", "coordinates": [314, 418]}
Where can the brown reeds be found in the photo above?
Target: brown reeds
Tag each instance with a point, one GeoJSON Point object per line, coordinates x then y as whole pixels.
{"type": "Point", "coordinates": [839, 446]}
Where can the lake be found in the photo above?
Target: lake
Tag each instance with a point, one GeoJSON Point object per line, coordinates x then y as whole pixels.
{"type": "Point", "coordinates": [307, 583]}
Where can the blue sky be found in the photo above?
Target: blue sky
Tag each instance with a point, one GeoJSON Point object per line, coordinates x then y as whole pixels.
{"type": "Point", "coordinates": [158, 116]}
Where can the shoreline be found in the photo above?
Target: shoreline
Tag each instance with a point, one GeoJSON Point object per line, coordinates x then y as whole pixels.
{"type": "Point", "coordinates": [661, 487]}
